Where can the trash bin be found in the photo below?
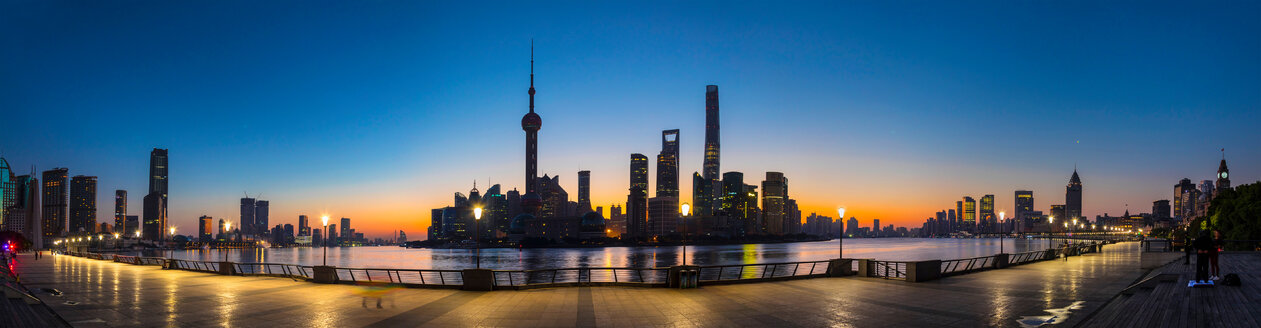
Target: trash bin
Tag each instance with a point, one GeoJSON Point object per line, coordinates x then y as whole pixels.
{"type": "Point", "coordinates": [689, 278]}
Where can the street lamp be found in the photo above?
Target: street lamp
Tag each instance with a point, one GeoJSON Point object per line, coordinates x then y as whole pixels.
{"type": "Point", "coordinates": [477, 240]}
{"type": "Point", "coordinates": [685, 209]}
{"type": "Point", "coordinates": [325, 238]}
{"type": "Point", "coordinates": [228, 227]}
{"type": "Point", "coordinates": [172, 252]}
{"type": "Point", "coordinates": [1002, 217]}
{"type": "Point", "coordinates": [840, 236]}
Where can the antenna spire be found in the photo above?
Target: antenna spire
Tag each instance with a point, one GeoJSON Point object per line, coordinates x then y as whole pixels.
{"type": "Point", "coordinates": [531, 75]}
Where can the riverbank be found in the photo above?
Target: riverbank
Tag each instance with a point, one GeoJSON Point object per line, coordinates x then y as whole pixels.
{"type": "Point", "coordinates": [115, 294]}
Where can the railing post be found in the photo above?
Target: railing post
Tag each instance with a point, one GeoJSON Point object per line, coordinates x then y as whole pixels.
{"type": "Point", "coordinates": [1000, 260]}
{"type": "Point", "coordinates": [840, 267]}
{"type": "Point", "coordinates": [864, 267]}
{"type": "Point", "coordinates": [480, 279]}
{"type": "Point", "coordinates": [323, 274]}
{"type": "Point", "coordinates": [227, 268]}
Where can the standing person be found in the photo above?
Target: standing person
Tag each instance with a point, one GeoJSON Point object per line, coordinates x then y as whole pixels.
{"type": "Point", "coordinates": [1202, 245]}
{"type": "Point", "coordinates": [1212, 255]}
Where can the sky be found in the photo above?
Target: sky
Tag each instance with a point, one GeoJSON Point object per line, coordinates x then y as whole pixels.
{"type": "Point", "coordinates": [380, 110]}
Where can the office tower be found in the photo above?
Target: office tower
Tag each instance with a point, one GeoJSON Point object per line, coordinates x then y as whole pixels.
{"type": "Point", "coordinates": [1160, 209]}
{"type": "Point", "coordinates": [668, 165]}
{"type": "Point", "coordinates": [332, 234]}
{"type": "Point", "coordinates": [1060, 213]}
{"type": "Point", "coordinates": [531, 123]}
{"type": "Point", "coordinates": [555, 199]}
{"type": "Point", "coordinates": [8, 191]}
{"type": "Point", "coordinates": [247, 224]}
{"type": "Point", "coordinates": [206, 228]}
{"type": "Point", "coordinates": [261, 215]}
{"type": "Point", "coordinates": [132, 225]}
{"type": "Point", "coordinates": [959, 218]}
{"type": "Point", "coordinates": [792, 216]}
{"type": "Point", "coordinates": [435, 224]}
{"type": "Point", "coordinates": [120, 212]}
{"type": "Point", "coordinates": [1024, 206]}
{"type": "Point", "coordinates": [969, 214]}
{"type": "Point", "coordinates": [83, 204]}
{"type": "Point", "coordinates": [774, 192]}
{"type": "Point", "coordinates": [1182, 187]}
{"type": "Point", "coordinates": [22, 211]}
{"type": "Point", "coordinates": [304, 226]}
{"type": "Point", "coordinates": [875, 228]}
{"type": "Point", "coordinates": [55, 204]}
{"type": "Point", "coordinates": [701, 196]}
{"type": "Point", "coordinates": [346, 230]}
{"type": "Point", "coordinates": [663, 215]}
{"type": "Point", "coordinates": [987, 218]}
{"type": "Point", "coordinates": [851, 226]}
{"type": "Point", "coordinates": [288, 234]}
{"type": "Point", "coordinates": [155, 202]}
{"type": "Point", "coordinates": [952, 219]}
{"type": "Point", "coordinates": [1223, 174]}
{"type": "Point", "coordinates": [711, 167]}
{"type": "Point", "coordinates": [222, 228]}
{"type": "Point", "coordinates": [637, 201]}
{"type": "Point", "coordinates": [1072, 197]}
{"type": "Point", "coordinates": [584, 191]}
{"type": "Point", "coordinates": [495, 211]}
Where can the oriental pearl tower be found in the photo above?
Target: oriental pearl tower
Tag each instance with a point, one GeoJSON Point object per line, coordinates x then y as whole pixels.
{"type": "Point", "coordinates": [531, 122]}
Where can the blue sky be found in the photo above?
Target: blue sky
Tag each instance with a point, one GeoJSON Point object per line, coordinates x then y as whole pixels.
{"type": "Point", "coordinates": [378, 111]}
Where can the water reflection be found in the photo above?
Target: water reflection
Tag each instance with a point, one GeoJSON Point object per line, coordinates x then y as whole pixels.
{"type": "Point", "coordinates": [898, 249]}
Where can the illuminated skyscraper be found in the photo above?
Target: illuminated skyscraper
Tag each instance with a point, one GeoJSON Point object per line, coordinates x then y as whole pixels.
{"type": "Point", "coordinates": [710, 170]}
{"type": "Point", "coordinates": [637, 201]}
{"type": "Point", "coordinates": [247, 216]}
{"type": "Point", "coordinates": [120, 212]}
{"type": "Point", "coordinates": [774, 196]}
{"type": "Point", "coordinates": [1072, 197]}
{"type": "Point", "coordinates": [206, 228]}
{"type": "Point", "coordinates": [55, 203]}
{"type": "Point", "coordinates": [83, 204]}
{"type": "Point", "coordinates": [8, 190]}
{"type": "Point", "coordinates": [987, 218]}
{"type": "Point", "coordinates": [969, 214]}
{"type": "Point", "coordinates": [531, 123]}
{"type": "Point", "coordinates": [261, 216]}
{"type": "Point", "coordinates": [1183, 186]}
{"type": "Point", "coordinates": [1024, 206]}
{"type": "Point", "coordinates": [304, 226]}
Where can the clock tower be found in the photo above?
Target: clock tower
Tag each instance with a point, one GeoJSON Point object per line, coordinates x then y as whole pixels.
{"type": "Point", "coordinates": [1223, 174]}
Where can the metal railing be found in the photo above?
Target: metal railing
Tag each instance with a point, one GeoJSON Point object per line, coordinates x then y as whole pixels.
{"type": "Point", "coordinates": [961, 266]}
{"type": "Point", "coordinates": [408, 277]}
{"type": "Point", "coordinates": [1028, 257]}
{"type": "Point", "coordinates": [273, 270]}
{"type": "Point", "coordinates": [200, 266]}
{"type": "Point", "coordinates": [580, 276]}
{"type": "Point", "coordinates": [886, 269]}
{"type": "Point", "coordinates": [762, 271]}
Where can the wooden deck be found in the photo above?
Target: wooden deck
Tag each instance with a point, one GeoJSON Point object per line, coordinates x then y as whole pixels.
{"type": "Point", "coordinates": [1173, 304]}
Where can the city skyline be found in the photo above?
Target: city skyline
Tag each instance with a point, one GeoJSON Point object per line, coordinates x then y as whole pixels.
{"type": "Point", "coordinates": [865, 147]}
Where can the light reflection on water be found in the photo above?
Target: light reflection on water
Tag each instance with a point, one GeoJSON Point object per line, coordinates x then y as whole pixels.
{"type": "Point", "coordinates": [897, 249]}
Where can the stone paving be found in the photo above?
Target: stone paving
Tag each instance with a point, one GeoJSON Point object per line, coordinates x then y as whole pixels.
{"type": "Point", "coordinates": [102, 293]}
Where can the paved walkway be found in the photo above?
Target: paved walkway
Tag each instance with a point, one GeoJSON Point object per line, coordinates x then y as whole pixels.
{"type": "Point", "coordinates": [101, 293]}
{"type": "Point", "coordinates": [1172, 304]}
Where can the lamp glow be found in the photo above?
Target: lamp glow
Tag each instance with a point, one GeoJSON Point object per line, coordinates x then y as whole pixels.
{"type": "Point", "coordinates": [477, 213]}
{"type": "Point", "coordinates": [686, 209]}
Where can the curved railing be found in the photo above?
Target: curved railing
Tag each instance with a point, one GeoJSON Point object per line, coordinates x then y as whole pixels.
{"type": "Point", "coordinates": [273, 270]}
{"type": "Point", "coordinates": [407, 277]}
{"type": "Point", "coordinates": [580, 276]}
{"type": "Point", "coordinates": [961, 266]}
{"type": "Point", "coordinates": [761, 271]}
{"type": "Point", "coordinates": [200, 266]}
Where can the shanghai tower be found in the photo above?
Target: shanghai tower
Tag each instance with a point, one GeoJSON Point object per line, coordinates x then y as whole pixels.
{"type": "Point", "coordinates": [710, 170]}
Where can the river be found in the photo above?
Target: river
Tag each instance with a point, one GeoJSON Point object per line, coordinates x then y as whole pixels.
{"type": "Point", "coordinates": [392, 257]}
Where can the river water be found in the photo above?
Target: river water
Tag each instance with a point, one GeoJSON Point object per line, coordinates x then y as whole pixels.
{"type": "Point", "coordinates": [392, 257]}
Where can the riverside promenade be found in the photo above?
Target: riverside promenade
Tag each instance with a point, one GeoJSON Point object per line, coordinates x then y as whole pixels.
{"type": "Point", "coordinates": [99, 293]}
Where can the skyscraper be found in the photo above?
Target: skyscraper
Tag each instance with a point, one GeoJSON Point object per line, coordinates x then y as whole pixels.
{"type": "Point", "coordinates": [155, 202]}
{"type": "Point", "coordinates": [261, 216]}
{"type": "Point", "coordinates": [774, 196]}
{"type": "Point", "coordinates": [83, 204]}
{"type": "Point", "coordinates": [1183, 186]}
{"type": "Point", "coordinates": [120, 212]}
{"type": "Point", "coordinates": [345, 232]}
{"type": "Point", "coordinates": [711, 167]}
{"type": "Point", "coordinates": [584, 191]}
{"type": "Point", "coordinates": [969, 214]}
{"type": "Point", "coordinates": [1024, 206]}
{"type": "Point", "coordinates": [1160, 209]}
{"type": "Point", "coordinates": [668, 165]}
{"type": "Point", "coordinates": [22, 212]}
{"type": "Point", "coordinates": [637, 201]}
{"type": "Point", "coordinates": [8, 190]}
{"type": "Point", "coordinates": [702, 197]}
{"type": "Point", "coordinates": [247, 223]}
{"type": "Point", "coordinates": [205, 229]}
{"type": "Point", "coordinates": [1072, 197]}
{"type": "Point", "coordinates": [987, 218]}
{"type": "Point", "coordinates": [304, 226]}
{"type": "Point", "coordinates": [55, 203]}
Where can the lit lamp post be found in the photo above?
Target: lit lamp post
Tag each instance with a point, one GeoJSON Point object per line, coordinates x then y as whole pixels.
{"type": "Point", "coordinates": [477, 240]}
{"type": "Point", "coordinates": [325, 238]}
{"type": "Point", "coordinates": [227, 226]}
{"type": "Point", "coordinates": [1002, 216]}
{"type": "Point", "coordinates": [685, 210]}
{"type": "Point", "coordinates": [1050, 229]}
{"type": "Point", "coordinates": [840, 236]}
{"type": "Point", "coordinates": [172, 251]}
